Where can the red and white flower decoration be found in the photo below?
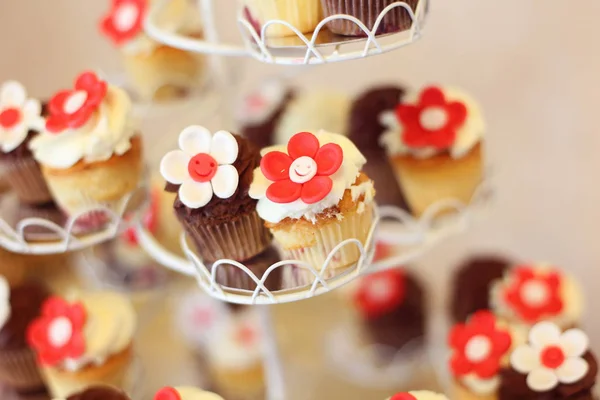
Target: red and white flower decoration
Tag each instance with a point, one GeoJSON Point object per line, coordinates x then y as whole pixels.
{"type": "Point", "coordinates": [304, 172]}
{"type": "Point", "coordinates": [73, 108]}
{"type": "Point", "coordinates": [533, 295]}
{"type": "Point", "coordinates": [403, 396]}
{"type": "Point", "coordinates": [18, 114]}
{"type": "Point", "coordinates": [432, 121]}
{"type": "Point", "coordinates": [380, 293]}
{"type": "Point", "coordinates": [203, 166]}
{"type": "Point", "coordinates": [167, 393]}
{"type": "Point", "coordinates": [551, 357]}
{"type": "Point", "coordinates": [478, 346]}
{"type": "Point", "coordinates": [57, 335]}
{"type": "Point", "coordinates": [124, 21]}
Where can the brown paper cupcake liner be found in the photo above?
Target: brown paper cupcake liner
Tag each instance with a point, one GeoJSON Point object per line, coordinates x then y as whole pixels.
{"type": "Point", "coordinates": [367, 11]}
{"type": "Point", "coordinates": [19, 370]}
{"type": "Point", "coordinates": [233, 277]}
{"type": "Point", "coordinates": [25, 178]}
{"type": "Point", "coordinates": [239, 239]}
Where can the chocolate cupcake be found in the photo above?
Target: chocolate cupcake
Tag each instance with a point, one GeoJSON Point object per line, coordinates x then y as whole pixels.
{"type": "Point", "coordinates": [18, 307]}
{"type": "Point", "coordinates": [368, 11]}
{"type": "Point", "coordinates": [392, 306]}
{"type": "Point", "coordinates": [230, 276]}
{"type": "Point", "coordinates": [365, 129]}
{"type": "Point", "coordinates": [472, 283]}
{"type": "Point", "coordinates": [99, 393]}
{"type": "Point", "coordinates": [214, 172]}
{"type": "Point", "coordinates": [20, 120]}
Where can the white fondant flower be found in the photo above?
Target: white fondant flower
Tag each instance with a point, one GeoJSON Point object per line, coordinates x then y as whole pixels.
{"type": "Point", "coordinates": [202, 166]}
{"type": "Point", "coordinates": [4, 301]}
{"type": "Point", "coordinates": [18, 115]}
{"type": "Point", "coordinates": [550, 357]}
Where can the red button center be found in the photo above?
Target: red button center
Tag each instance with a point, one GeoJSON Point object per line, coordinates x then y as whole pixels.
{"type": "Point", "coordinates": [10, 117]}
{"type": "Point", "coordinates": [202, 167]}
{"type": "Point", "coordinates": [552, 357]}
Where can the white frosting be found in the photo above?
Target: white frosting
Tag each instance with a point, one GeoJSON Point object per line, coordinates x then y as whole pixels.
{"type": "Point", "coordinates": [342, 179]}
{"type": "Point", "coordinates": [260, 105]}
{"type": "Point", "coordinates": [468, 135]}
{"type": "Point", "coordinates": [5, 308]}
{"type": "Point", "coordinates": [107, 133]}
{"type": "Point", "coordinates": [109, 328]}
{"type": "Point", "coordinates": [192, 393]}
{"type": "Point", "coordinates": [481, 386]}
{"type": "Point", "coordinates": [26, 115]}
{"type": "Point", "coordinates": [313, 111]}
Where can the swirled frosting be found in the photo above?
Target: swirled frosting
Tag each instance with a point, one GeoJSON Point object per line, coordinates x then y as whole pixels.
{"type": "Point", "coordinates": [107, 133]}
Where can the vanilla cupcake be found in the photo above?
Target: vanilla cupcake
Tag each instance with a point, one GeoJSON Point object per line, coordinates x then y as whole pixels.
{"type": "Point", "coordinates": [83, 343]}
{"type": "Point", "coordinates": [418, 395]}
{"type": "Point", "coordinates": [157, 71]}
{"type": "Point", "coordinates": [185, 393]}
{"type": "Point", "coordinates": [528, 294]}
{"type": "Point", "coordinates": [304, 15]}
{"type": "Point", "coordinates": [89, 152]}
{"type": "Point", "coordinates": [313, 196]}
{"type": "Point", "coordinates": [434, 141]}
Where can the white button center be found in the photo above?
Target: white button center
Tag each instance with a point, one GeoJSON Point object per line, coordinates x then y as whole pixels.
{"type": "Point", "coordinates": [534, 293]}
{"type": "Point", "coordinates": [433, 118]}
{"type": "Point", "coordinates": [478, 348]}
{"type": "Point", "coordinates": [60, 332]}
{"type": "Point", "coordinates": [126, 16]}
{"type": "Point", "coordinates": [303, 169]}
{"type": "Point", "coordinates": [75, 101]}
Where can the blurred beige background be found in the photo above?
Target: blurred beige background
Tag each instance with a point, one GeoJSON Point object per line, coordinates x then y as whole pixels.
{"type": "Point", "coordinates": [535, 66]}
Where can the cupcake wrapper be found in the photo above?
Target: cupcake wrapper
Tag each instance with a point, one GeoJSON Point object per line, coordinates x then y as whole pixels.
{"type": "Point", "coordinates": [304, 15]}
{"type": "Point", "coordinates": [397, 19]}
{"type": "Point", "coordinates": [18, 369]}
{"type": "Point", "coordinates": [45, 212]}
{"type": "Point", "coordinates": [231, 276]}
{"type": "Point", "coordinates": [353, 226]}
{"type": "Point", "coordinates": [239, 239]}
{"type": "Point", "coordinates": [25, 178]}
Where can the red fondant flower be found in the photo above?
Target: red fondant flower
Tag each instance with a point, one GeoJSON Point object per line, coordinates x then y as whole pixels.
{"type": "Point", "coordinates": [303, 173]}
{"type": "Point", "coordinates": [150, 220]}
{"type": "Point", "coordinates": [533, 295]}
{"type": "Point", "coordinates": [478, 346]}
{"type": "Point", "coordinates": [380, 293]}
{"type": "Point", "coordinates": [433, 121]}
{"type": "Point", "coordinates": [167, 393]}
{"type": "Point", "coordinates": [58, 333]}
{"type": "Point", "coordinates": [124, 21]}
{"type": "Point", "coordinates": [73, 108]}
{"type": "Point", "coordinates": [403, 396]}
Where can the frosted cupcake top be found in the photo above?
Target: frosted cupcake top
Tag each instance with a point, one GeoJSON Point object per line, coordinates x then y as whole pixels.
{"type": "Point", "coordinates": [18, 115]}
{"type": "Point", "coordinates": [185, 393]}
{"type": "Point", "coordinates": [88, 123]}
{"type": "Point", "coordinates": [71, 335]}
{"type": "Point", "coordinates": [308, 176]}
{"type": "Point", "coordinates": [418, 395]}
{"type": "Point", "coordinates": [433, 121]}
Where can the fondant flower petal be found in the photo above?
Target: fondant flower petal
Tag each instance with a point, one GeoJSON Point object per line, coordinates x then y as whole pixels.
{"type": "Point", "coordinates": [12, 93]}
{"type": "Point", "coordinates": [32, 108]}
{"type": "Point", "coordinates": [542, 380]}
{"type": "Point", "coordinates": [12, 138]}
{"type": "Point", "coordinates": [225, 181]}
{"type": "Point", "coordinates": [303, 144]}
{"type": "Point", "coordinates": [574, 342]}
{"type": "Point", "coordinates": [174, 167]}
{"type": "Point", "coordinates": [195, 139]}
{"type": "Point", "coordinates": [224, 148]}
{"type": "Point", "coordinates": [275, 165]}
{"type": "Point", "coordinates": [316, 189]}
{"type": "Point", "coordinates": [329, 159]}
{"type": "Point", "coordinates": [284, 191]}
{"type": "Point", "coordinates": [572, 370]}
{"type": "Point", "coordinates": [433, 96]}
{"type": "Point", "coordinates": [544, 333]}
{"type": "Point", "coordinates": [195, 194]}
{"type": "Point", "coordinates": [457, 114]}
{"type": "Point", "coordinates": [524, 359]}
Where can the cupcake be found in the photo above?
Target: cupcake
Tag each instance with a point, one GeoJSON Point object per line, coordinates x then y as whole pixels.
{"type": "Point", "coordinates": [471, 285]}
{"type": "Point", "coordinates": [418, 395]}
{"type": "Point", "coordinates": [89, 153]}
{"type": "Point", "coordinates": [480, 347]}
{"type": "Point", "coordinates": [368, 11]}
{"type": "Point", "coordinates": [20, 120]}
{"type": "Point", "coordinates": [365, 130]}
{"type": "Point", "coordinates": [528, 294]}
{"type": "Point", "coordinates": [313, 196]}
{"type": "Point", "coordinates": [213, 172]}
{"type": "Point", "coordinates": [156, 71]}
{"type": "Point", "coordinates": [260, 112]}
{"type": "Point", "coordinates": [184, 393]}
{"type": "Point", "coordinates": [553, 364]}
{"type": "Point", "coordinates": [313, 111]}
{"type": "Point", "coordinates": [19, 305]}
{"type": "Point", "coordinates": [229, 275]}
{"type": "Point", "coordinates": [99, 393]}
{"type": "Point", "coordinates": [392, 308]}
{"type": "Point", "coordinates": [304, 15]}
{"type": "Point", "coordinates": [434, 143]}
{"type": "Point", "coordinates": [83, 343]}
{"type": "Point", "coordinates": [47, 211]}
